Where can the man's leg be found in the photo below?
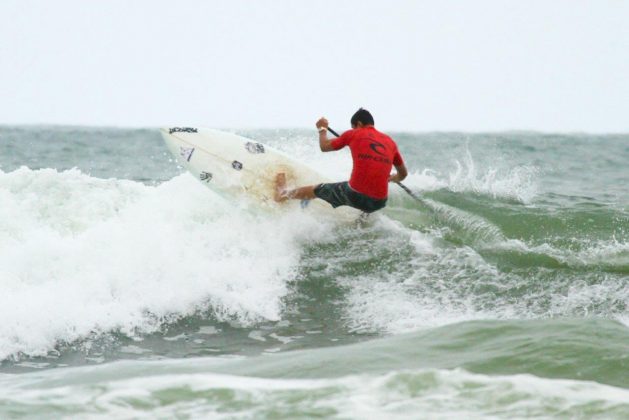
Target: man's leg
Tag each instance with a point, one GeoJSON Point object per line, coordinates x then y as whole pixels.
{"type": "Point", "coordinates": [281, 194]}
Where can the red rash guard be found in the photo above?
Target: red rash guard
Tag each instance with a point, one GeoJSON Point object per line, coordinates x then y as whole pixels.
{"type": "Point", "coordinates": [373, 153]}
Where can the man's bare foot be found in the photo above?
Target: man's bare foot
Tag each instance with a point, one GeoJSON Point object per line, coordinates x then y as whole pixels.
{"type": "Point", "coordinates": [280, 188]}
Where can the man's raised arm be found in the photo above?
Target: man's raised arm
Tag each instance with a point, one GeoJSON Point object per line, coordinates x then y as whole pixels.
{"type": "Point", "coordinates": [325, 144]}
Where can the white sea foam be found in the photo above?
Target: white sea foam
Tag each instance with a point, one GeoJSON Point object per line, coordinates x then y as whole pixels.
{"type": "Point", "coordinates": [435, 393]}
{"type": "Point", "coordinates": [518, 183]}
{"type": "Point", "coordinates": [435, 284]}
{"type": "Point", "coordinates": [605, 253]}
{"type": "Point", "coordinates": [496, 180]}
{"type": "Point", "coordinates": [421, 293]}
{"type": "Point", "coordinates": [80, 255]}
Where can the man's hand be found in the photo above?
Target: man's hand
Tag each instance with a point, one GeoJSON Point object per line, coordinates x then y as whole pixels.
{"type": "Point", "coordinates": [394, 178]}
{"type": "Point", "coordinates": [402, 172]}
{"type": "Point", "coordinates": [323, 122]}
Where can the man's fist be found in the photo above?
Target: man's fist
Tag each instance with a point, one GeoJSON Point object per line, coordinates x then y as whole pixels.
{"type": "Point", "coordinates": [322, 123]}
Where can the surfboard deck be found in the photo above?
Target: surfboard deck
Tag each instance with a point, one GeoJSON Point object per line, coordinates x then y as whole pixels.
{"type": "Point", "coordinates": [240, 168]}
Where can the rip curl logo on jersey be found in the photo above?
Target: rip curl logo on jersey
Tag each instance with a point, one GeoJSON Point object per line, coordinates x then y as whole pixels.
{"type": "Point", "coordinates": [186, 152]}
{"type": "Point", "coordinates": [254, 148]}
{"type": "Point", "coordinates": [236, 165]}
{"type": "Point", "coordinates": [182, 130]}
{"type": "Point", "coordinates": [205, 176]}
{"type": "Point", "coordinates": [374, 145]}
{"type": "Point", "coordinates": [367, 156]}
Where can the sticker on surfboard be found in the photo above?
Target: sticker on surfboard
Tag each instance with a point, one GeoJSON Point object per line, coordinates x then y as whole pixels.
{"type": "Point", "coordinates": [254, 148]}
{"type": "Point", "coordinates": [186, 152]}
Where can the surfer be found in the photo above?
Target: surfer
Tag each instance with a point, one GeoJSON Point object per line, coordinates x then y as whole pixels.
{"type": "Point", "coordinates": [373, 153]}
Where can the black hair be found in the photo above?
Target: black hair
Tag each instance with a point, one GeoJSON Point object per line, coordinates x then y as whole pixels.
{"type": "Point", "coordinates": [363, 116]}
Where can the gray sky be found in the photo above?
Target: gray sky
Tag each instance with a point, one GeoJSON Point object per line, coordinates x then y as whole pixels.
{"type": "Point", "coordinates": [417, 65]}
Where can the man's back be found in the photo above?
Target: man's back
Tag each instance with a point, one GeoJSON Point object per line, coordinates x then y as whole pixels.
{"type": "Point", "coordinates": [374, 153]}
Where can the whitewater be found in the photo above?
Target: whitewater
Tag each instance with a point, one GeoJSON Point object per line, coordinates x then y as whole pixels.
{"type": "Point", "coordinates": [131, 290]}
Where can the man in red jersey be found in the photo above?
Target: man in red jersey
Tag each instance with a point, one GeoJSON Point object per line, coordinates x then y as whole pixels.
{"type": "Point", "coordinates": [373, 153]}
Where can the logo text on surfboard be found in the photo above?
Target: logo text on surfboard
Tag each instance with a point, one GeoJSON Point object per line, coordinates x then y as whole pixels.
{"type": "Point", "coordinates": [182, 130]}
{"type": "Point", "coordinates": [236, 165]}
{"type": "Point", "coordinates": [205, 176]}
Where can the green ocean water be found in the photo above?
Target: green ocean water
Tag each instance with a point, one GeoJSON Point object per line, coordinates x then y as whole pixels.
{"type": "Point", "coordinates": [130, 290]}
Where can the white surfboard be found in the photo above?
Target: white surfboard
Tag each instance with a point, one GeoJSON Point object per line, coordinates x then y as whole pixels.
{"type": "Point", "coordinates": [240, 168]}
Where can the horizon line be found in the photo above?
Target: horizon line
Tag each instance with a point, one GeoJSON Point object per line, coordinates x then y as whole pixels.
{"type": "Point", "coordinates": [248, 128]}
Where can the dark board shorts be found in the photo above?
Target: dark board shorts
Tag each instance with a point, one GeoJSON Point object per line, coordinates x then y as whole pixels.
{"type": "Point", "coordinates": [341, 194]}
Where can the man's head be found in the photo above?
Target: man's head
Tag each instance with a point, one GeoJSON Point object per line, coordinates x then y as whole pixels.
{"type": "Point", "coordinates": [361, 118]}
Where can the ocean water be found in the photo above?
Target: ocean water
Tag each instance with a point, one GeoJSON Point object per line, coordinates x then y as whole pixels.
{"type": "Point", "coordinates": [129, 290]}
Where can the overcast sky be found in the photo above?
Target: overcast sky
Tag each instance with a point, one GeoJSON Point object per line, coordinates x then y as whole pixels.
{"type": "Point", "coordinates": [417, 65]}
